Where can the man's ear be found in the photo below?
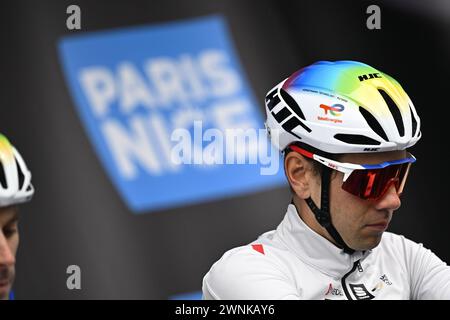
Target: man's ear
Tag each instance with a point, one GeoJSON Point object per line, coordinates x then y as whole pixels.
{"type": "Point", "coordinates": [298, 172]}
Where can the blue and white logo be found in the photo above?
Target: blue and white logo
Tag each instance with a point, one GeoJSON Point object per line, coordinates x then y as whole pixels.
{"type": "Point", "coordinates": [133, 87]}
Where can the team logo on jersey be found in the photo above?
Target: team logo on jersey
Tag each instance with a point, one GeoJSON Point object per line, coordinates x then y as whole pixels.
{"type": "Point", "coordinates": [384, 281]}
{"type": "Point", "coordinates": [360, 292]}
{"type": "Point", "coordinates": [333, 291]}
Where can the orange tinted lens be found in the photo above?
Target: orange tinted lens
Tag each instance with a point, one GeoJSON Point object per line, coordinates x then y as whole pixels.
{"type": "Point", "coordinates": [373, 183]}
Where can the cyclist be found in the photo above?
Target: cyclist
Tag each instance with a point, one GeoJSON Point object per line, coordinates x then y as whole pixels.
{"type": "Point", "coordinates": [15, 188]}
{"type": "Point", "coordinates": [344, 128]}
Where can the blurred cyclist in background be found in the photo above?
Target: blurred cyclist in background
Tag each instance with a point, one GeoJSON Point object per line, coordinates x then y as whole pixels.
{"type": "Point", "coordinates": [344, 128]}
{"type": "Point", "coordinates": [15, 188]}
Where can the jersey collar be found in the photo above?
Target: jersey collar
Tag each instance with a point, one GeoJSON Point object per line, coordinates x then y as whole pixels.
{"type": "Point", "coordinates": [314, 249]}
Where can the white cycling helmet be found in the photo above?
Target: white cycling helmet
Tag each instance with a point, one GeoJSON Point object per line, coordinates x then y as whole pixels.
{"type": "Point", "coordinates": [339, 107]}
{"type": "Point", "coordinates": [15, 178]}
{"type": "Point", "coordinates": [342, 107]}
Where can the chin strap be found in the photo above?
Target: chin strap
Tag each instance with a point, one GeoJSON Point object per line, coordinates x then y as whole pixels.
{"type": "Point", "coordinates": [323, 214]}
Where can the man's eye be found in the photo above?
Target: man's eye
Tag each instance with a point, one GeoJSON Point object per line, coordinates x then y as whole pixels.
{"type": "Point", "coordinates": [9, 232]}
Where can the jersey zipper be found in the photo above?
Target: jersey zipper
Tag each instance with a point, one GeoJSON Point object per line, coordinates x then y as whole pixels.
{"type": "Point", "coordinates": [344, 285]}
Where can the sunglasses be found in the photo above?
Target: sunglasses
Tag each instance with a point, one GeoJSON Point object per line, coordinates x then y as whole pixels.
{"type": "Point", "coordinates": [367, 181]}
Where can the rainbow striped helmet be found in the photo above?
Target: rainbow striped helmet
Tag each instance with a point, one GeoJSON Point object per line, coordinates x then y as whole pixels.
{"type": "Point", "coordinates": [15, 178]}
{"type": "Point", "coordinates": [342, 107]}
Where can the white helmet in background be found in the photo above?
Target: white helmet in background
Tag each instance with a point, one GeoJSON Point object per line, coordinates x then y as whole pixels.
{"type": "Point", "coordinates": [15, 178]}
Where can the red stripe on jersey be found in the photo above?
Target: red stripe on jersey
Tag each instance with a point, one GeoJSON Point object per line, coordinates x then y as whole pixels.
{"type": "Point", "coordinates": [258, 247]}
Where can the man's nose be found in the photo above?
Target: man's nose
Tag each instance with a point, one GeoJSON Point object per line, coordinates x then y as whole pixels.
{"type": "Point", "coordinates": [390, 200]}
{"type": "Point", "coordinates": [6, 256]}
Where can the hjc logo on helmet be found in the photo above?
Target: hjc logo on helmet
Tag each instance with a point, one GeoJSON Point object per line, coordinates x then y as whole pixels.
{"type": "Point", "coordinates": [369, 76]}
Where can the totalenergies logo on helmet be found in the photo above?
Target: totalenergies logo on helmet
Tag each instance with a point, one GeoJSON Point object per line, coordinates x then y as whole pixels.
{"type": "Point", "coordinates": [335, 109]}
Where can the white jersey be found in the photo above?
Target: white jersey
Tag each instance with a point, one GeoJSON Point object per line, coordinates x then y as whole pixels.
{"type": "Point", "coordinates": [294, 262]}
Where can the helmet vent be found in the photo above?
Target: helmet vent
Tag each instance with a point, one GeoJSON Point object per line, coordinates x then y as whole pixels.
{"type": "Point", "coordinates": [20, 176]}
{"type": "Point", "coordinates": [373, 123]}
{"type": "Point", "coordinates": [394, 111]}
{"type": "Point", "coordinates": [414, 122]}
{"type": "Point", "coordinates": [292, 103]}
{"type": "Point", "coordinates": [3, 182]}
{"type": "Point", "coordinates": [356, 139]}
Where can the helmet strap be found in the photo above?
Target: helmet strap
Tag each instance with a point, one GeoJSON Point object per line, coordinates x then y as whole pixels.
{"type": "Point", "coordinates": [323, 214]}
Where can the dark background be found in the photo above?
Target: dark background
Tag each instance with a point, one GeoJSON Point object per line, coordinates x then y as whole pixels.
{"type": "Point", "coordinates": [76, 216]}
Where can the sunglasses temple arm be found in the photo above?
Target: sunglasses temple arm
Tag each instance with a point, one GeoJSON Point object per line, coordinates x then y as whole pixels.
{"type": "Point", "coordinates": [346, 175]}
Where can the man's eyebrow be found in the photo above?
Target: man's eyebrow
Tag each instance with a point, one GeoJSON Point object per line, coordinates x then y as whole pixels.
{"type": "Point", "coordinates": [13, 219]}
